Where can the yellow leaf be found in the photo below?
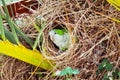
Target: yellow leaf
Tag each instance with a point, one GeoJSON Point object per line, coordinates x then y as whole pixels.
{"type": "Point", "coordinates": [24, 54]}
{"type": "Point", "coordinates": [115, 3]}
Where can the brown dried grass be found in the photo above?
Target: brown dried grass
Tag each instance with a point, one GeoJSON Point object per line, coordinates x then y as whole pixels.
{"type": "Point", "coordinates": [93, 35]}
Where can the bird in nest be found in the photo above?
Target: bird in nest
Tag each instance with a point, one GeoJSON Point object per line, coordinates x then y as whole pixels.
{"type": "Point", "coordinates": [60, 38]}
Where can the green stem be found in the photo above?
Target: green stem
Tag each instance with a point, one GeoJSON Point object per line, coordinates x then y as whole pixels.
{"type": "Point", "coordinates": [39, 35]}
{"type": "Point", "coordinates": [10, 22]}
{"type": "Point", "coordinates": [2, 28]}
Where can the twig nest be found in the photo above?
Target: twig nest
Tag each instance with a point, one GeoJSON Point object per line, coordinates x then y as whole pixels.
{"type": "Point", "coordinates": [50, 50]}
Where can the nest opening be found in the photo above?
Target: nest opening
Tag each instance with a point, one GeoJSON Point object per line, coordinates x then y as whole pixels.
{"type": "Point", "coordinates": [52, 48]}
{"type": "Point", "coordinates": [49, 49]}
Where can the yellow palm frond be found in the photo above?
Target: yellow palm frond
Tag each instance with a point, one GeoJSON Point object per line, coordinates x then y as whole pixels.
{"type": "Point", "coordinates": [24, 54]}
{"type": "Point", "coordinates": [115, 3]}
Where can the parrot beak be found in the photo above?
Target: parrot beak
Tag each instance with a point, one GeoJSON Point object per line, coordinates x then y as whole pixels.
{"type": "Point", "coordinates": [53, 38]}
{"type": "Point", "coordinates": [51, 33]}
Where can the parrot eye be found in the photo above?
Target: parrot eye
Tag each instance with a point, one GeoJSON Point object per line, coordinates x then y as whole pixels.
{"type": "Point", "coordinates": [55, 32]}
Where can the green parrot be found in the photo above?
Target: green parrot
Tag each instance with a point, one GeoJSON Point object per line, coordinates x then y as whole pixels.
{"type": "Point", "coordinates": [60, 38]}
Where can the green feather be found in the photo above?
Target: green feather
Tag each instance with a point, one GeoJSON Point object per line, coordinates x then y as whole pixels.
{"type": "Point", "coordinates": [60, 31]}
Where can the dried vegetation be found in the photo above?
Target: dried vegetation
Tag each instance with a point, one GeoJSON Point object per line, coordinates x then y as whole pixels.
{"type": "Point", "coordinates": [93, 35]}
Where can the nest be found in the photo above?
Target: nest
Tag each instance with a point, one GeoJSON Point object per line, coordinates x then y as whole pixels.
{"type": "Point", "coordinates": [93, 35]}
{"type": "Point", "coordinates": [13, 69]}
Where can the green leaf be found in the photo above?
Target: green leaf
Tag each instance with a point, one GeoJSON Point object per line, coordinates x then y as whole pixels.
{"type": "Point", "coordinates": [68, 79]}
{"type": "Point", "coordinates": [2, 28]}
{"type": "Point", "coordinates": [105, 60]}
{"type": "Point", "coordinates": [10, 36]}
{"type": "Point", "coordinates": [40, 75]}
{"type": "Point", "coordinates": [103, 64]}
{"type": "Point", "coordinates": [75, 71]}
{"type": "Point", "coordinates": [10, 22]}
{"type": "Point", "coordinates": [109, 67]}
{"type": "Point", "coordinates": [69, 71]}
{"type": "Point", "coordinates": [105, 77]}
{"type": "Point", "coordinates": [63, 73]}
{"type": "Point", "coordinates": [115, 73]}
{"type": "Point", "coordinates": [101, 67]}
{"type": "Point", "coordinates": [8, 2]}
{"type": "Point", "coordinates": [119, 73]}
{"type": "Point", "coordinates": [66, 71]}
{"type": "Point", "coordinates": [97, 72]}
{"type": "Point", "coordinates": [39, 35]}
{"type": "Point", "coordinates": [28, 40]}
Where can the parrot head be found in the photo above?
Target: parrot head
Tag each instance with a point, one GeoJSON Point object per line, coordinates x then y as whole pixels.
{"type": "Point", "coordinates": [60, 38]}
{"type": "Point", "coordinates": [56, 32]}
